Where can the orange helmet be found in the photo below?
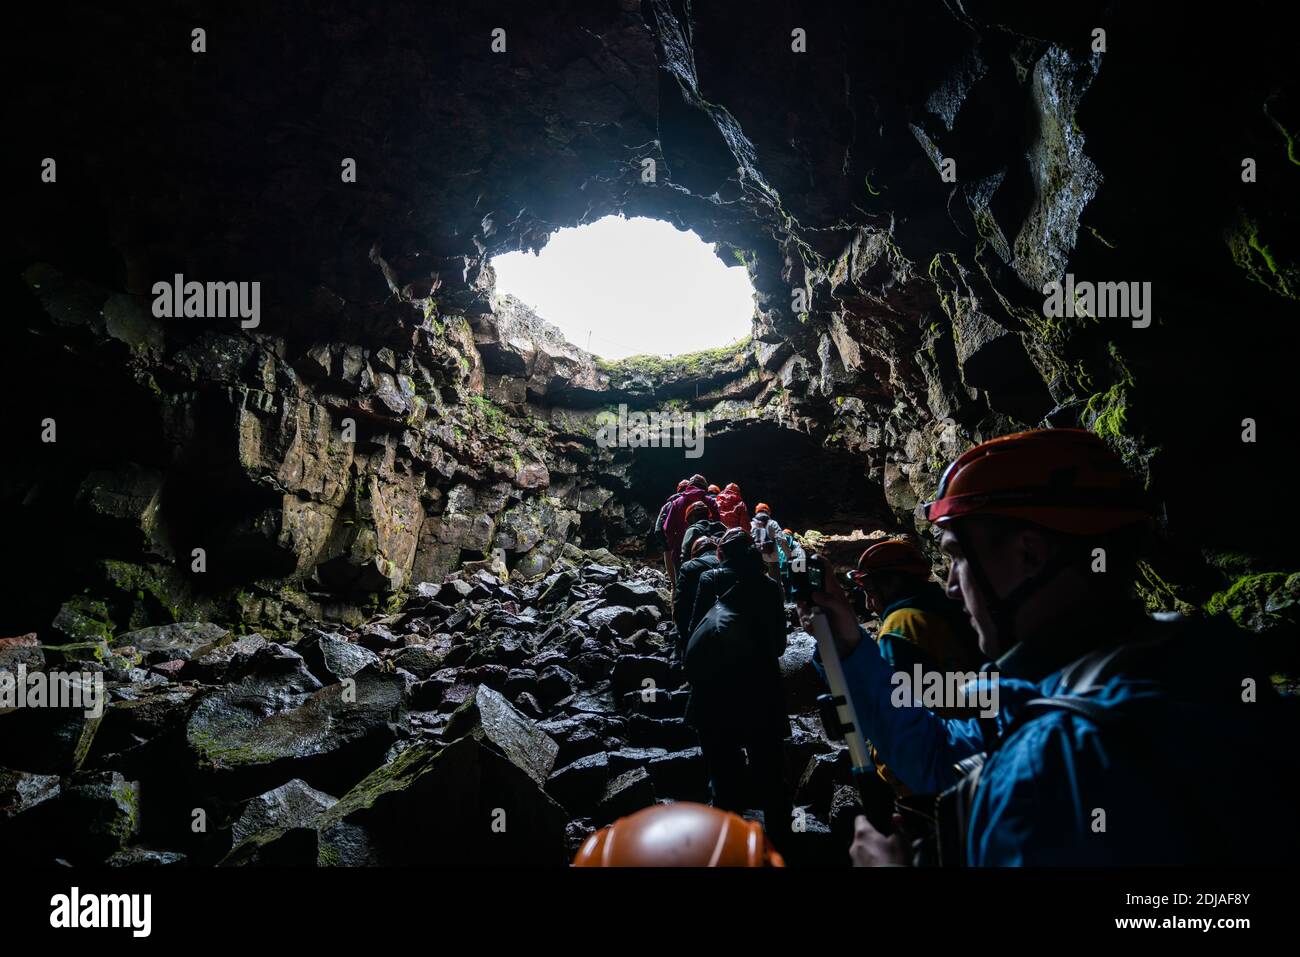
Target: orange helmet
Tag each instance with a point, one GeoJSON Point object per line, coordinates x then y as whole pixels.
{"type": "Point", "coordinates": [714, 490]}
{"type": "Point", "coordinates": [893, 555]}
{"type": "Point", "coordinates": [696, 508]}
{"type": "Point", "coordinates": [762, 507]}
{"type": "Point", "coordinates": [733, 487]}
{"type": "Point", "coordinates": [683, 485]}
{"type": "Point", "coordinates": [681, 834]}
{"type": "Point", "coordinates": [786, 531]}
{"type": "Point", "coordinates": [1063, 479]}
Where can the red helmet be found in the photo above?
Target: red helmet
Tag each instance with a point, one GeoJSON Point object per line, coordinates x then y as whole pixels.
{"type": "Point", "coordinates": [681, 834]}
{"type": "Point", "coordinates": [696, 508]}
{"type": "Point", "coordinates": [893, 555]}
{"type": "Point", "coordinates": [683, 485]}
{"type": "Point", "coordinates": [1068, 480]}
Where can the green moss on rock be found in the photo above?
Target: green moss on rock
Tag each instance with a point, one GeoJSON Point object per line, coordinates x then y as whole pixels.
{"type": "Point", "coordinates": [1106, 411]}
{"type": "Point", "coordinates": [1257, 260]}
{"type": "Point", "coordinates": [1266, 604]}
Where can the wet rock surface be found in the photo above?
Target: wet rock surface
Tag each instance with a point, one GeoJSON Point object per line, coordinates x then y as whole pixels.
{"type": "Point", "coordinates": [404, 740]}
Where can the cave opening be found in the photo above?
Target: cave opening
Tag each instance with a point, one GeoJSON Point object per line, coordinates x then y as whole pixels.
{"type": "Point", "coordinates": [808, 485]}
{"type": "Point", "coordinates": [625, 286]}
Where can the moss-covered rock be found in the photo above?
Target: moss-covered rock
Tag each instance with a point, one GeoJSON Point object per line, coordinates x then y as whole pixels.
{"type": "Point", "coordinates": [1261, 602]}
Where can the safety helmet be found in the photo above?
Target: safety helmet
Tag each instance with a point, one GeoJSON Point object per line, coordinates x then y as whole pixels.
{"type": "Point", "coordinates": [762, 507]}
{"type": "Point", "coordinates": [696, 508]}
{"type": "Point", "coordinates": [699, 481]}
{"type": "Point", "coordinates": [681, 834]}
{"type": "Point", "coordinates": [893, 555]}
{"type": "Point", "coordinates": [786, 531]}
{"type": "Point", "coordinates": [733, 487]}
{"type": "Point", "coordinates": [714, 490]}
{"type": "Point", "coordinates": [1068, 480]}
{"type": "Point", "coordinates": [735, 543]}
{"type": "Point", "coordinates": [703, 544]}
{"type": "Point", "coordinates": [683, 485]}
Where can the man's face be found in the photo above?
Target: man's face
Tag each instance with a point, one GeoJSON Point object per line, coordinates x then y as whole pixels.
{"type": "Point", "coordinates": [1004, 568]}
{"type": "Point", "coordinates": [871, 590]}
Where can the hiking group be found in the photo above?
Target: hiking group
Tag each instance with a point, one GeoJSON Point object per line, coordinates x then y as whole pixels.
{"type": "Point", "coordinates": [1118, 738]}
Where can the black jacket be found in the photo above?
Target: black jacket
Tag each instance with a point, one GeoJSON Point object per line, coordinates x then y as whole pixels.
{"type": "Point", "coordinates": [749, 701]}
{"type": "Point", "coordinates": [688, 581]}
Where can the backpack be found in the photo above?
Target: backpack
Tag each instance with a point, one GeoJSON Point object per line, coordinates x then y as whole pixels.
{"type": "Point", "coordinates": [763, 539]}
{"type": "Point", "coordinates": [719, 643]}
{"type": "Point", "coordinates": [655, 537]}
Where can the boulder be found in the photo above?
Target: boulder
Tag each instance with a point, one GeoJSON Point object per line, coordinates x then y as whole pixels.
{"type": "Point", "coordinates": [625, 794]}
{"type": "Point", "coordinates": [257, 731]}
{"type": "Point", "coordinates": [146, 857]}
{"type": "Point", "coordinates": [21, 791]}
{"type": "Point", "coordinates": [212, 663]}
{"type": "Point", "coordinates": [634, 594]}
{"type": "Point", "coordinates": [294, 804]}
{"type": "Point", "coordinates": [466, 804]}
{"type": "Point", "coordinates": [331, 659]}
{"type": "Point", "coordinates": [802, 682]}
{"type": "Point", "coordinates": [21, 650]}
{"type": "Point", "coordinates": [619, 618]}
{"type": "Point", "coordinates": [490, 716]}
{"type": "Point", "coordinates": [631, 672]}
{"type": "Point", "coordinates": [680, 775]}
{"type": "Point", "coordinates": [177, 642]}
{"type": "Point", "coordinates": [580, 785]}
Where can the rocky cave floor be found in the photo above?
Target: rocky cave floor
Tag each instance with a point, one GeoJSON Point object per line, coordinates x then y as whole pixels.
{"type": "Point", "coordinates": [484, 722]}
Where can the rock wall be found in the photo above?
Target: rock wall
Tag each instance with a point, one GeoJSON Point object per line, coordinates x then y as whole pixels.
{"type": "Point", "coordinates": [899, 311]}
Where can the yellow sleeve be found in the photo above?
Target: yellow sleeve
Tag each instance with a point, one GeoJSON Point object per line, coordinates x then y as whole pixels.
{"type": "Point", "coordinates": [928, 632]}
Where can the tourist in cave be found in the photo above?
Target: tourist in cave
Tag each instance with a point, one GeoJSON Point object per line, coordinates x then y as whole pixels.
{"type": "Point", "coordinates": [737, 705]}
{"type": "Point", "coordinates": [704, 557]}
{"type": "Point", "coordinates": [1117, 739]}
{"type": "Point", "coordinates": [675, 522]}
{"type": "Point", "coordinates": [919, 625]}
{"type": "Point", "coordinates": [795, 554]}
{"type": "Point", "coordinates": [699, 522]}
{"type": "Point", "coordinates": [732, 511]}
{"type": "Point", "coordinates": [658, 536]}
{"type": "Point", "coordinates": [766, 532]}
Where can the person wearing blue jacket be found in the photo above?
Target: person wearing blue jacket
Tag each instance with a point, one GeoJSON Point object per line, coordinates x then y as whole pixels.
{"type": "Point", "coordinates": [1117, 739]}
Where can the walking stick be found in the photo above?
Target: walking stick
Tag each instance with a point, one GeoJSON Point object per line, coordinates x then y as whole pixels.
{"type": "Point", "coordinates": [844, 710]}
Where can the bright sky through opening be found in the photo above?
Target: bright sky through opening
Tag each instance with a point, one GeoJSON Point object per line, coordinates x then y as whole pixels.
{"type": "Point", "coordinates": [621, 287]}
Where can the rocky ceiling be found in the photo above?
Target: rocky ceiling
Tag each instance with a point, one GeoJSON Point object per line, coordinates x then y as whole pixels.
{"type": "Point", "coordinates": [899, 312]}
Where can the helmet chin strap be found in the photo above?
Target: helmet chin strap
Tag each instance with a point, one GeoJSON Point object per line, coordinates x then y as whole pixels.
{"type": "Point", "coordinates": [1003, 609]}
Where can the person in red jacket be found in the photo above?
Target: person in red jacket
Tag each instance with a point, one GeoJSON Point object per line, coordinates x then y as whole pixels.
{"type": "Point", "coordinates": [675, 522]}
{"type": "Point", "coordinates": [733, 512]}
